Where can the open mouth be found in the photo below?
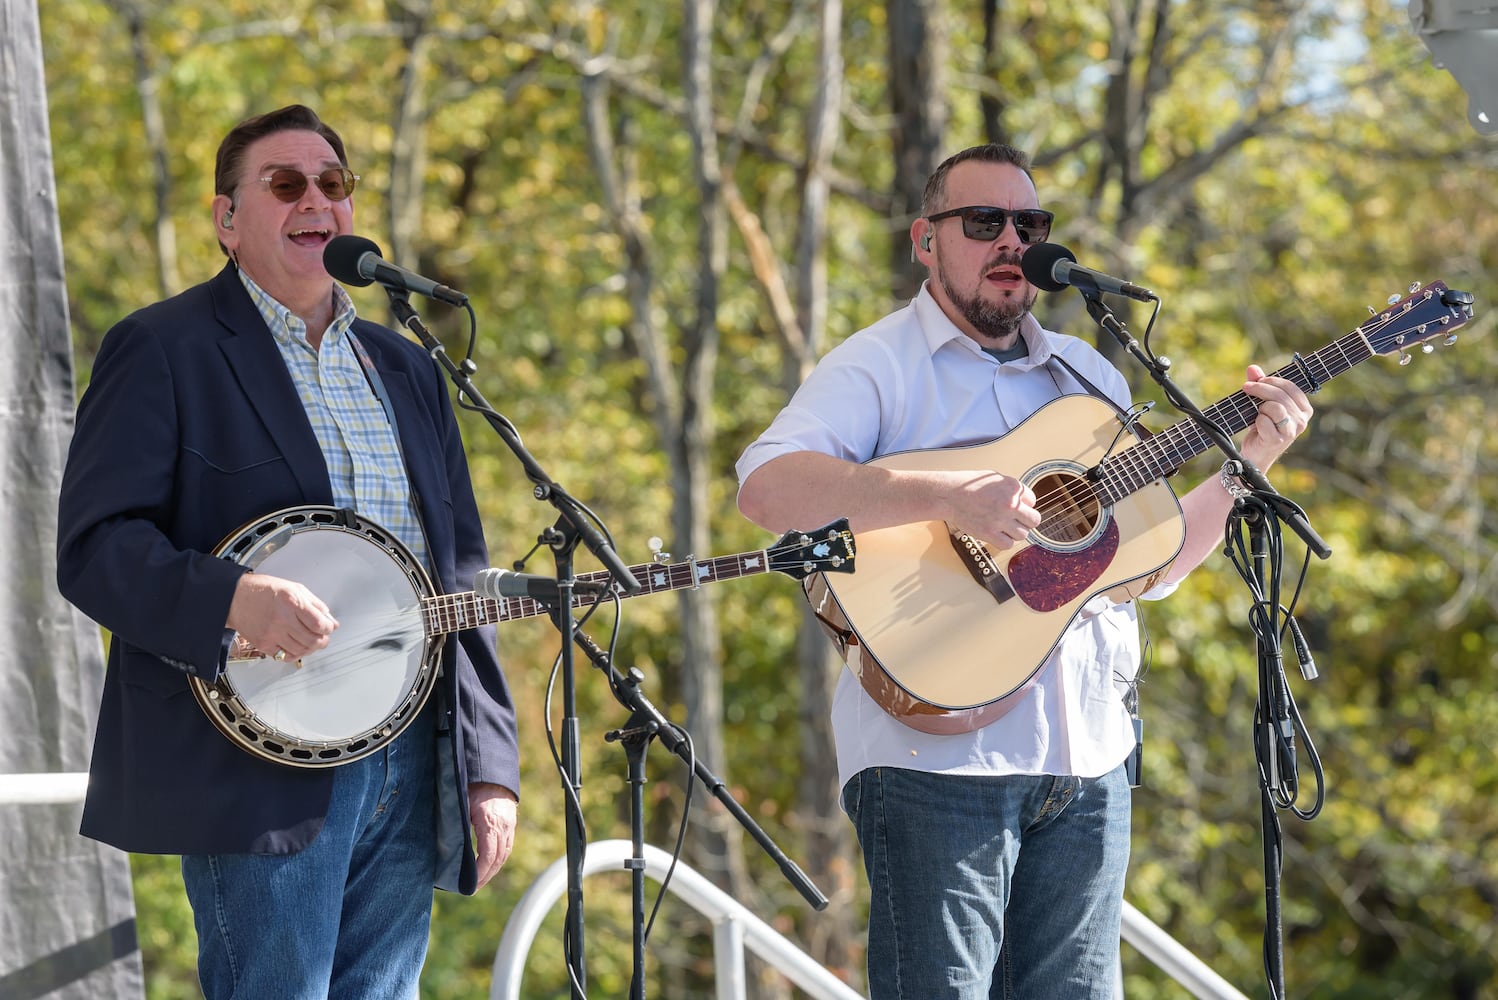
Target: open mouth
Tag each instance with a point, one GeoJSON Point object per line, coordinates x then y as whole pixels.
{"type": "Point", "coordinates": [310, 237]}
{"type": "Point", "coordinates": [1005, 274]}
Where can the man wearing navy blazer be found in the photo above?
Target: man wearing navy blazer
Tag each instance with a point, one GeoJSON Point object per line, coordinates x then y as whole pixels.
{"type": "Point", "coordinates": [257, 391]}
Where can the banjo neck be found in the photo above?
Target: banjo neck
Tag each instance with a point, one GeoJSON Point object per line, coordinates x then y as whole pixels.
{"type": "Point", "coordinates": [797, 554]}
{"type": "Point", "coordinates": [446, 613]}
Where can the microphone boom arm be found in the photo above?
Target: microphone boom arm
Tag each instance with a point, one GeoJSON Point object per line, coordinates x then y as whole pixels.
{"type": "Point", "coordinates": [546, 488]}
{"type": "Point", "coordinates": [1159, 370]}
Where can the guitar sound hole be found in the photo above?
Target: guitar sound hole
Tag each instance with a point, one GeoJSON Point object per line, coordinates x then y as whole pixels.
{"type": "Point", "coordinates": [1068, 507]}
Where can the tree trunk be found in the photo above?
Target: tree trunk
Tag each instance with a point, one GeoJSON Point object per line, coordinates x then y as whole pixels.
{"type": "Point", "coordinates": [917, 53]}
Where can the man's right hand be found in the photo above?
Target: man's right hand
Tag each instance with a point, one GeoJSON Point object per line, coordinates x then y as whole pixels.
{"type": "Point", "coordinates": [989, 505]}
{"type": "Point", "coordinates": [276, 614]}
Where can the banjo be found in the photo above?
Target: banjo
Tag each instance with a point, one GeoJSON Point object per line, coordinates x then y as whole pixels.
{"type": "Point", "coordinates": [357, 694]}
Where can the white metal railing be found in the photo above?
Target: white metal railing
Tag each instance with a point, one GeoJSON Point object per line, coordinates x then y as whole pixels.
{"type": "Point", "coordinates": [1172, 958]}
{"type": "Point", "coordinates": [734, 927]}
{"type": "Point", "coordinates": [62, 786]}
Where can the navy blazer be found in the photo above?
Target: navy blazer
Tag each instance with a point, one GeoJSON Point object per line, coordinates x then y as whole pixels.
{"type": "Point", "coordinates": [191, 428]}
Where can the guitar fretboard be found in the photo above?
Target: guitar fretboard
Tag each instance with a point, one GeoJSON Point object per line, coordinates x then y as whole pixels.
{"type": "Point", "coordinates": [1150, 461]}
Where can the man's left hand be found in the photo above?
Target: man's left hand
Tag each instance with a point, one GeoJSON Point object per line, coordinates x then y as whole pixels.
{"type": "Point", "coordinates": [492, 811]}
{"type": "Point", "coordinates": [1284, 412]}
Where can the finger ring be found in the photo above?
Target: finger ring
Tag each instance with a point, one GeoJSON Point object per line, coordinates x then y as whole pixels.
{"type": "Point", "coordinates": [1279, 425]}
{"type": "Point", "coordinates": [280, 656]}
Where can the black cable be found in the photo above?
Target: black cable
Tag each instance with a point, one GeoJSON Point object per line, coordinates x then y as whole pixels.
{"type": "Point", "coordinates": [1270, 620]}
{"type": "Point", "coordinates": [681, 829]}
{"type": "Point", "coordinates": [1275, 713]}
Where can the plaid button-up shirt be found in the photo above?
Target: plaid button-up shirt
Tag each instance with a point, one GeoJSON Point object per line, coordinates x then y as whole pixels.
{"type": "Point", "coordinates": [353, 429]}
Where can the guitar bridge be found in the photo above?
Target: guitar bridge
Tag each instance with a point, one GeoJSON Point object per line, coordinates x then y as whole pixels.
{"type": "Point", "coordinates": [980, 563]}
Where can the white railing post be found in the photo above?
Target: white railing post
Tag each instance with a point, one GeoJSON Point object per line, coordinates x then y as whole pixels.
{"type": "Point", "coordinates": [728, 960]}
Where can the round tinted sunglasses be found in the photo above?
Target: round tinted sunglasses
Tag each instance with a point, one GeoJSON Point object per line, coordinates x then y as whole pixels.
{"type": "Point", "coordinates": [981, 222]}
{"type": "Point", "coordinates": [336, 183]}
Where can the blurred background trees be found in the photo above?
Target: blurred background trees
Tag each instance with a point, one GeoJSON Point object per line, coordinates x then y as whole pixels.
{"type": "Point", "coordinates": [665, 212]}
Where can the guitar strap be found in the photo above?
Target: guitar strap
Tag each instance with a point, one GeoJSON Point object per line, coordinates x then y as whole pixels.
{"type": "Point", "coordinates": [450, 832]}
{"type": "Point", "coordinates": [1130, 419]}
{"type": "Point", "coordinates": [372, 374]}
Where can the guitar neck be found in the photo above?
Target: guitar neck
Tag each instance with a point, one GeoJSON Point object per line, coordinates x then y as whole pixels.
{"type": "Point", "coordinates": [446, 613]}
{"type": "Point", "coordinates": [1150, 461]}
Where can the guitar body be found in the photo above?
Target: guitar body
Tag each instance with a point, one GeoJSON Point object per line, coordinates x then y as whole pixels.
{"type": "Point", "coordinates": [946, 647]}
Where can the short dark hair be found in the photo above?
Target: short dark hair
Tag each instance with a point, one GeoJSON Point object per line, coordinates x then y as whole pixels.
{"type": "Point", "coordinates": [991, 152]}
{"type": "Point", "coordinates": [292, 118]}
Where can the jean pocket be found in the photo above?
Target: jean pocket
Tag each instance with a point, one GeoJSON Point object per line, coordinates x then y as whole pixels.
{"type": "Point", "coordinates": [852, 796]}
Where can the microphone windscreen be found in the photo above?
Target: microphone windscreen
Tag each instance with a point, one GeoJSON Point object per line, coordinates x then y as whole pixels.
{"type": "Point", "coordinates": [1038, 264]}
{"type": "Point", "coordinates": [341, 258]}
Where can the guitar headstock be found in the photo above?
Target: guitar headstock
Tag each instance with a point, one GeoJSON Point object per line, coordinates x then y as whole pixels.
{"type": "Point", "coordinates": [1427, 312]}
{"type": "Point", "coordinates": [829, 549]}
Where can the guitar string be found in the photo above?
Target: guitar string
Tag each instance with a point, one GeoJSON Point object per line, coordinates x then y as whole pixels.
{"type": "Point", "coordinates": [450, 607]}
{"type": "Point", "coordinates": [1130, 469]}
{"type": "Point", "coordinates": [444, 613]}
{"type": "Point", "coordinates": [369, 625]}
{"type": "Point", "coordinates": [353, 654]}
{"type": "Point", "coordinates": [443, 609]}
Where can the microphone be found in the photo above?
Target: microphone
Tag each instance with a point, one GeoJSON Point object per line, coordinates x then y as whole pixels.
{"type": "Point", "coordinates": [1051, 267]}
{"type": "Point", "coordinates": [497, 584]}
{"type": "Point", "coordinates": [357, 261]}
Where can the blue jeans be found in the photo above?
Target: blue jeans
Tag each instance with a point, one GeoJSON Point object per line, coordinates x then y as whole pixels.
{"type": "Point", "coordinates": [992, 887]}
{"type": "Point", "coordinates": [348, 917]}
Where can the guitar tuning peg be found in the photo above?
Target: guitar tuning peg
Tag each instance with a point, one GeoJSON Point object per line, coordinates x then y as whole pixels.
{"type": "Point", "coordinates": [656, 555]}
{"type": "Point", "coordinates": [1414, 287]}
{"type": "Point", "coordinates": [1372, 311]}
{"type": "Point", "coordinates": [1450, 339]}
{"type": "Point", "coordinates": [1404, 358]}
{"type": "Point", "coordinates": [1427, 347]}
{"type": "Point", "coordinates": [1393, 299]}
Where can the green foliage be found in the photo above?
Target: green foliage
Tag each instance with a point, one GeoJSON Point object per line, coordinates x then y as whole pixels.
{"type": "Point", "coordinates": [1280, 169]}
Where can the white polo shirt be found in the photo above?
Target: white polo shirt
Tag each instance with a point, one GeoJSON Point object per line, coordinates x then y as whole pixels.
{"type": "Point", "coordinates": [913, 381]}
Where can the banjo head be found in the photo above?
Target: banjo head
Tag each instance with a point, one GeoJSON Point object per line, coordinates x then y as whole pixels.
{"type": "Point", "coordinates": [353, 697]}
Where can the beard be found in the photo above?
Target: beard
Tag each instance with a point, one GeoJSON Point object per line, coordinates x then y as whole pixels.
{"type": "Point", "coordinates": [996, 321]}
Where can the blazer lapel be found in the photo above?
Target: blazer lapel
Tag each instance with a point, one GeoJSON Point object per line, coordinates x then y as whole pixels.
{"type": "Point", "coordinates": [251, 353]}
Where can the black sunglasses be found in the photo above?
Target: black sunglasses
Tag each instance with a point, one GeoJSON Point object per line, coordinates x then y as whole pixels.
{"type": "Point", "coordinates": [981, 222]}
{"type": "Point", "coordinates": [337, 183]}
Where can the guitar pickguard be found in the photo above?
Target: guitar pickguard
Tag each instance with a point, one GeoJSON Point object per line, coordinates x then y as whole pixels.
{"type": "Point", "coordinates": [1047, 580]}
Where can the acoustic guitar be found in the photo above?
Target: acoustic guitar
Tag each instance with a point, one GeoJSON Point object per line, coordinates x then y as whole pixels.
{"type": "Point", "coordinates": [947, 633]}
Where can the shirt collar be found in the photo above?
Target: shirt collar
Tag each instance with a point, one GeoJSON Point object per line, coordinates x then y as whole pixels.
{"type": "Point", "coordinates": [289, 328]}
{"type": "Point", "coordinates": [939, 330]}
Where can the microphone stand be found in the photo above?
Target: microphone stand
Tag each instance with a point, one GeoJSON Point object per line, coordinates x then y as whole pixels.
{"type": "Point", "coordinates": [573, 524]}
{"type": "Point", "coordinates": [646, 722]}
{"type": "Point", "coordinates": [1259, 506]}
